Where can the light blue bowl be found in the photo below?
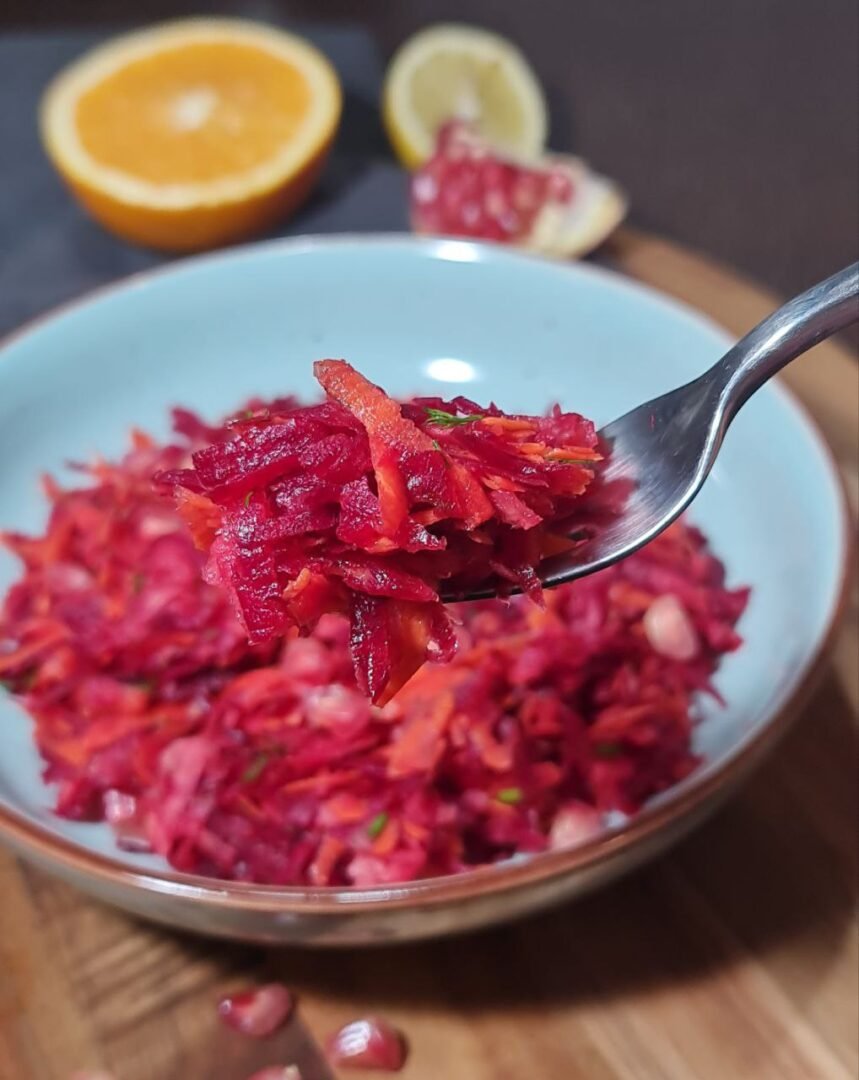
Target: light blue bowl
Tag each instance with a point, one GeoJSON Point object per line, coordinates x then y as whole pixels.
{"type": "Point", "coordinates": [432, 316]}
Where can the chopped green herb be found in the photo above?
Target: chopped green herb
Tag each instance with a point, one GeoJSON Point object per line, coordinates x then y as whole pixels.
{"type": "Point", "coordinates": [254, 770]}
{"type": "Point", "coordinates": [138, 580]}
{"type": "Point", "coordinates": [248, 498]}
{"type": "Point", "coordinates": [249, 413]}
{"type": "Point", "coordinates": [376, 826]}
{"type": "Point", "coordinates": [586, 463]}
{"type": "Point", "coordinates": [144, 684]}
{"type": "Point", "coordinates": [607, 750]}
{"type": "Point", "coordinates": [446, 419]}
{"type": "Point", "coordinates": [509, 795]}
{"type": "Point", "coordinates": [436, 444]}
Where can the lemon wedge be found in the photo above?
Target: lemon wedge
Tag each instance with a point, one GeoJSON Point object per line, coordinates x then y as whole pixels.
{"type": "Point", "coordinates": [452, 71]}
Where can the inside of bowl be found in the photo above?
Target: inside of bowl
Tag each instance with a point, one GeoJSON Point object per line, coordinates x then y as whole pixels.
{"type": "Point", "coordinates": [434, 317]}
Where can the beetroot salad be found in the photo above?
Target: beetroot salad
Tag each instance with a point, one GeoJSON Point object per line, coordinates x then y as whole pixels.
{"type": "Point", "coordinates": [362, 506]}
{"type": "Point", "coordinates": [268, 762]}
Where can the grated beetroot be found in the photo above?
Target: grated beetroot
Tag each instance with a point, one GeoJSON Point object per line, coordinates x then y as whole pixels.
{"type": "Point", "coordinates": [269, 763]}
{"type": "Point", "coordinates": [363, 506]}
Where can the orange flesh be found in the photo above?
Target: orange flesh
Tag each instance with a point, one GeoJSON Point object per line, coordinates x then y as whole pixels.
{"type": "Point", "coordinates": [200, 112]}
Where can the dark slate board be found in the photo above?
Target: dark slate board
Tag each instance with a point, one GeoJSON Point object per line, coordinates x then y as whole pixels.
{"type": "Point", "coordinates": [51, 252]}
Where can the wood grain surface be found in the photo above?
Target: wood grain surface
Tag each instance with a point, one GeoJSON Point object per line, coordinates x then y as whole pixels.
{"type": "Point", "coordinates": [733, 957]}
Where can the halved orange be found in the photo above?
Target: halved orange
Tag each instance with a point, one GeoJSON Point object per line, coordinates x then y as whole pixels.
{"type": "Point", "coordinates": [193, 133]}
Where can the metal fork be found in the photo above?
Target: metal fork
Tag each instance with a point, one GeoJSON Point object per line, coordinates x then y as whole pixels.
{"type": "Point", "coordinates": [662, 451]}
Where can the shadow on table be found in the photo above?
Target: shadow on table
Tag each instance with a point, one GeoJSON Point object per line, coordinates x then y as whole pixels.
{"type": "Point", "coordinates": [777, 865]}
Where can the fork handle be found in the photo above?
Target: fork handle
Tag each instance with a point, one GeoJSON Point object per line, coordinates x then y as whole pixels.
{"type": "Point", "coordinates": [801, 323]}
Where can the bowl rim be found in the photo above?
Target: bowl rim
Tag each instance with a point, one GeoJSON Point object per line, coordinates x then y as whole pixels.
{"type": "Point", "coordinates": [56, 852]}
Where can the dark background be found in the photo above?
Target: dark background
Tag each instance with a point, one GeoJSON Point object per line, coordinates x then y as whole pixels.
{"type": "Point", "coordinates": [733, 124]}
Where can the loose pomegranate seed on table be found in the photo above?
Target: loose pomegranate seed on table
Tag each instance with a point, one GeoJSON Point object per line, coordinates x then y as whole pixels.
{"type": "Point", "coordinates": [369, 1043]}
{"type": "Point", "coordinates": [277, 1072]}
{"type": "Point", "coordinates": [259, 1012]}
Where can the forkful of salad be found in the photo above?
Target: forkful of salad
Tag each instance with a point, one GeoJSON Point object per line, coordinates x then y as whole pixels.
{"type": "Point", "coordinates": [385, 511]}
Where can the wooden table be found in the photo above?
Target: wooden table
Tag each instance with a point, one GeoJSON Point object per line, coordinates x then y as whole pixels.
{"type": "Point", "coordinates": [734, 958]}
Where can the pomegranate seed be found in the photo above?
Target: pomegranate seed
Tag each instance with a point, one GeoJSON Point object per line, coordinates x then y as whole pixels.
{"type": "Point", "coordinates": [574, 824]}
{"type": "Point", "coordinates": [425, 188]}
{"type": "Point", "coordinates": [370, 1043]}
{"type": "Point", "coordinates": [121, 813]}
{"type": "Point", "coordinates": [257, 1012]}
{"type": "Point", "coordinates": [119, 808]}
{"type": "Point", "coordinates": [560, 184]}
{"type": "Point", "coordinates": [494, 203]}
{"type": "Point", "coordinates": [334, 706]}
{"type": "Point", "coordinates": [510, 223]}
{"type": "Point", "coordinates": [526, 193]}
{"type": "Point", "coordinates": [494, 175]}
{"type": "Point", "coordinates": [670, 630]}
{"type": "Point", "coordinates": [277, 1072]}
